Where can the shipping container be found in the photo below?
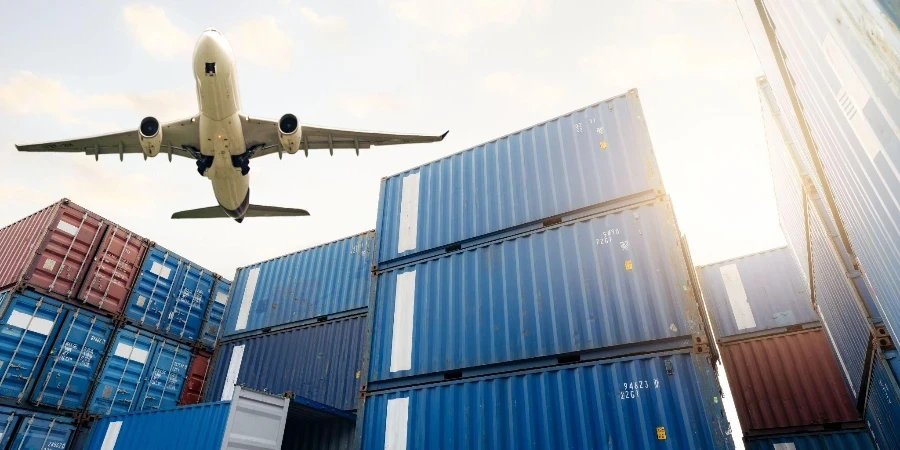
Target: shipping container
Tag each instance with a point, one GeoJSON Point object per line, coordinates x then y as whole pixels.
{"type": "Point", "coordinates": [318, 362]}
{"type": "Point", "coordinates": [601, 281]}
{"type": "Point", "coordinates": [165, 381]}
{"type": "Point", "coordinates": [883, 401]}
{"type": "Point", "coordinates": [196, 378]}
{"type": "Point", "coordinates": [663, 400]}
{"type": "Point", "coordinates": [251, 420]}
{"type": "Point", "coordinates": [26, 430]}
{"type": "Point", "coordinates": [596, 155]}
{"type": "Point", "coordinates": [300, 434]}
{"type": "Point", "coordinates": [833, 440]}
{"type": "Point", "coordinates": [758, 292]}
{"type": "Point", "coordinates": [37, 332]}
{"type": "Point", "coordinates": [842, 57]}
{"type": "Point", "coordinates": [788, 382]}
{"type": "Point", "coordinates": [215, 314]}
{"type": "Point", "coordinates": [51, 249]}
{"type": "Point", "coordinates": [311, 284]}
{"type": "Point", "coordinates": [114, 269]}
{"type": "Point", "coordinates": [170, 296]}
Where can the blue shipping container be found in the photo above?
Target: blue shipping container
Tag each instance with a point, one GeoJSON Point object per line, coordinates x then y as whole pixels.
{"type": "Point", "coordinates": [171, 295]}
{"type": "Point", "coordinates": [168, 370]}
{"type": "Point", "coordinates": [215, 314]}
{"type": "Point", "coordinates": [318, 362]}
{"type": "Point", "coordinates": [883, 401]}
{"type": "Point", "coordinates": [756, 292]}
{"type": "Point", "coordinates": [663, 400]}
{"type": "Point", "coordinates": [594, 155]}
{"type": "Point", "coordinates": [843, 57]}
{"type": "Point", "coordinates": [26, 430]}
{"type": "Point", "coordinates": [253, 420]}
{"type": "Point", "coordinates": [601, 281]}
{"type": "Point", "coordinates": [320, 281]}
{"type": "Point", "coordinates": [835, 440]}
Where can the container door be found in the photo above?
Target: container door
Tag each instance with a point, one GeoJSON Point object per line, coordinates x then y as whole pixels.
{"type": "Point", "coordinates": [215, 315]}
{"type": "Point", "coordinates": [196, 379]}
{"type": "Point", "coordinates": [154, 288]}
{"type": "Point", "coordinates": [9, 418]}
{"type": "Point", "coordinates": [42, 434]}
{"type": "Point", "coordinates": [127, 365]}
{"type": "Point", "coordinates": [113, 270]}
{"type": "Point", "coordinates": [66, 378]}
{"type": "Point", "coordinates": [184, 315]}
{"type": "Point", "coordinates": [168, 369]}
{"type": "Point", "coordinates": [28, 327]}
{"type": "Point", "coordinates": [62, 262]}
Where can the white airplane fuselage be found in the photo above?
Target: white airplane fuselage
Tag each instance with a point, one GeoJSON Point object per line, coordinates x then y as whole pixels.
{"type": "Point", "coordinates": [221, 135]}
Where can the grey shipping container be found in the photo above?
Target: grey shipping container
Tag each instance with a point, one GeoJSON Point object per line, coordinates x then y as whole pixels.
{"type": "Point", "coordinates": [753, 293]}
{"type": "Point", "coordinates": [307, 285]}
{"type": "Point", "coordinates": [585, 159]}
{"type": "Point", "coordinates": [842, 57]}
{"type": "Point", "coordinates": [318, 362]}
{"type": "Point", "coordinates": [613, 280]}
{"type": "Point", "coordinates": [883, 401]}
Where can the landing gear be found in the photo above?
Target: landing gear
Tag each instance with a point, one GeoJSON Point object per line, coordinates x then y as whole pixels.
{"type": "Point", "coordinates": [243, 161]}
{"type": "Point", "coordinates": [203, 163]}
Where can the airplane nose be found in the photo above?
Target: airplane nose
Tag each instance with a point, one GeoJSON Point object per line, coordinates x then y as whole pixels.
{"type": "Point", "coordinates": [211, 29]}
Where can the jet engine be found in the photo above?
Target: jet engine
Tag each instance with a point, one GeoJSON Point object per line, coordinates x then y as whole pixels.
{"type": "Point", "coordinates": [151, 136]}
{"type": "Point", "coordinates": [289, 133]}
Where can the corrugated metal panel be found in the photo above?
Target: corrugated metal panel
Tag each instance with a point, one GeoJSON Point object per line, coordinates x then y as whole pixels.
{"type": "Point", "coordinates": [641, 402]}
{"type": "Point", "coordinates": [171, 295]}
{"type": "Point", "coordinates": [165, 380]}
{"type": "Point", "coordinates": [319, 435]}
{"type": "Point", "coordinates": [9, 419]}
{"type": "Point", "coordinates": [756, 292]}
{"type": "Point", "coordinates": [18, 242]}
{"type": "Point", "coordinates": [836, 440]}
{"type": "Point", "coordinates": [196, 378]}
{"type": "Point", "coordinates": [839, 306]}
{"type": "Point", "coordinates": [601, 281]}
{"type": "Point", "coordinates": [126, 367]}
{"type": "Point", "coordinates": [66, 378]}
{"type": "Point", "coordinates": [113, 269]}
{"type": "Point", "coordinates": [319, 362]}
{"type": "Point", "coordinates": [883, 401]}
{"type": "Point", "coordinates": [29, 324]}
{"type": "Point", "coordinates": [844, 59]}
{"type": "Point", "coordinates": [594, 155]}
{"type": "Point", "coordinates": [319, 281]}
{"type": "Point", "coordinates": [787, 380]}
{"type": "Point", "coordinates": [215, 314]}
{"type": "Point", "coordinates": [36, 431]}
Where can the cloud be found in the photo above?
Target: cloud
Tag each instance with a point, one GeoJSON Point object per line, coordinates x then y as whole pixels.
{"type": "Point", "coordinates": [363, 106]}
{"type": "Point", "coordinates": [155, 32]}
{"type": "Point", "coordinates": [334, 27]}
{"type": "Point", "coordinates": [462, 17]}
{"type": "Point", "coordinates": [533, 94]}
{"type": "Point", "coordinates": [262, 42]}
{"type": "Point", "coordinates": [27, 93]}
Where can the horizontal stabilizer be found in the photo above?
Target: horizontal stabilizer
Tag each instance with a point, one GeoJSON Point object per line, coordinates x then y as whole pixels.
{"type": "Point", "coordinates": [217, 212]}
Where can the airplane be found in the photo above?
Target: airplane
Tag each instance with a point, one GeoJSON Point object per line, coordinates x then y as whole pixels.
{"type": "Point", "coordinates": [223, 140]}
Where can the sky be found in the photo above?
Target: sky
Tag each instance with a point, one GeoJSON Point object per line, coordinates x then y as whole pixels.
{"type": "Point", "coordinates": [480, 68]}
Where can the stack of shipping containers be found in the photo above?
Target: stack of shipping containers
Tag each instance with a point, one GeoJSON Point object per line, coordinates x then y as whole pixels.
{"type": "Point", "coordinates": [534, 292]}
{"type": "Point", "coordinates": [95, 320]}
{"type": "Point", "coordinates": [831, 105]}
{"type": "Point", "coordinates": [295, 326]}
{"type": "Point", "coordinates": [786, 383]}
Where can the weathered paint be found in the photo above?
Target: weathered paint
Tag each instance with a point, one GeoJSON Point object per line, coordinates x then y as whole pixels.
{"type": "Point", "coordinates": [668, 400]}
{"type": "Point", "coordinates": [777, 294]}
{"type": "Point", "coordinates": [215, 314]}
{"type": "Point", "coordinates": [319, 281]}
{"type": "Point", "coordinates": [602, 281]}
{"type": "Point", "coordinates": [832, 440]}
{"type": "Point", "coordinates": [597, 154]}
{"type": "Point", "coordinates": [883, 401]}
{"type": "Point", "coordinates": [785, 381]}
{"type": "Point", "coordinates": [319, 362]}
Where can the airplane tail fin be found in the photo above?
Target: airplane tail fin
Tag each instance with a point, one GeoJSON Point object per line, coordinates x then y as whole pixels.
{"type": "Point", "coordinates": [216, 212]}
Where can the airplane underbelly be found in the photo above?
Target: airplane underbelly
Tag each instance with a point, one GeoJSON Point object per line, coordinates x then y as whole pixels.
{"type": "Point", "coordinates": [229, 186]}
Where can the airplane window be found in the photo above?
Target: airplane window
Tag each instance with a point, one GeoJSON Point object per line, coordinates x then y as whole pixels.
{"type": "Point", "coordinates": [211, 68]}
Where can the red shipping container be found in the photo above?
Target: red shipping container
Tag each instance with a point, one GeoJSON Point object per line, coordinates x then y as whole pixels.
{"type": "Point", "coordinates": [788, 382]}
{"type": "Point", "coordinates": [51, 249]}
{"type": "Point", "coordinates": [114, 269]}
{"type": "Point", "coordinates": [196, 378]}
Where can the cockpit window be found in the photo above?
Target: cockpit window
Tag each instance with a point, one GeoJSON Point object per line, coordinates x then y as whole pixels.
{"type": "Point", "coordinates": [210, 68]}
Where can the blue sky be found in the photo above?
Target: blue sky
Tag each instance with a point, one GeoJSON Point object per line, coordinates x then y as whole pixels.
{"type": "Point", "coordinates": [481, 68]}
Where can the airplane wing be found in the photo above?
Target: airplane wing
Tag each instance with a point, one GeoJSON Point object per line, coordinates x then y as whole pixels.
{"type": "Point", "coordinates": [175, 137]}
{"type": "Point", "coordinates": [263, 133]}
